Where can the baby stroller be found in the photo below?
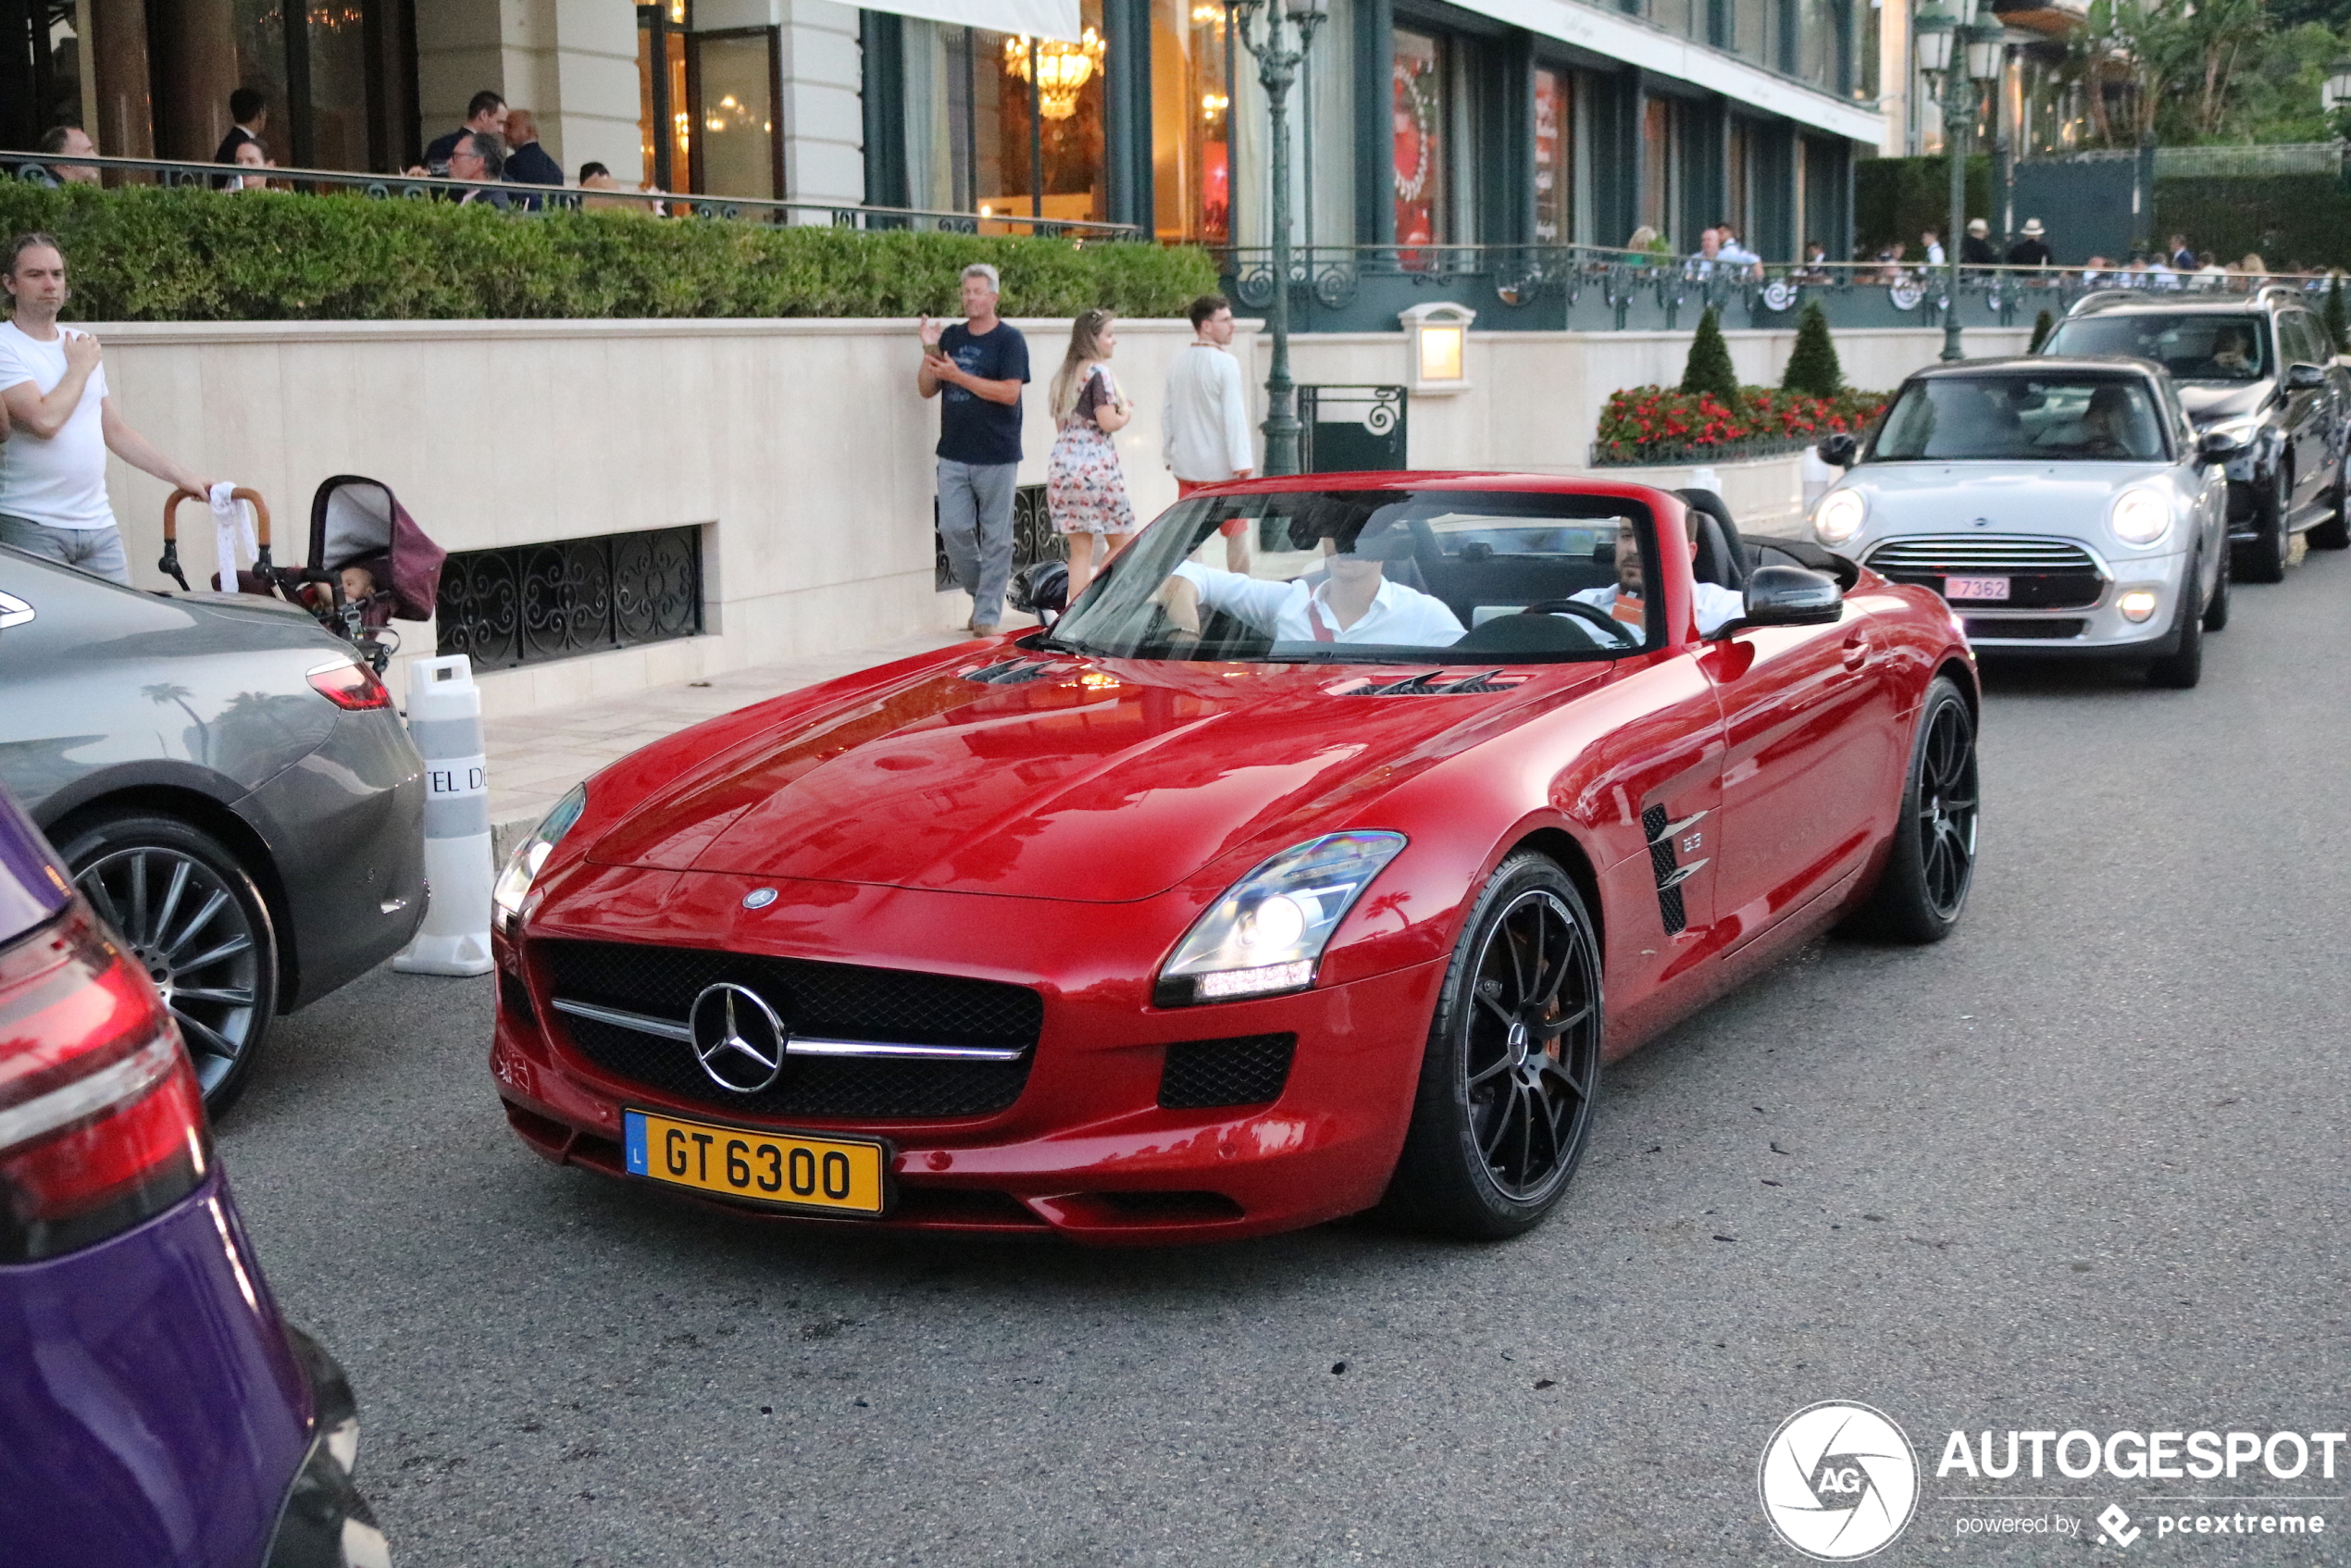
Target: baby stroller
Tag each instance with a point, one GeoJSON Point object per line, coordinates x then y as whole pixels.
{"type": "Point", "coordinates": [370, 562]}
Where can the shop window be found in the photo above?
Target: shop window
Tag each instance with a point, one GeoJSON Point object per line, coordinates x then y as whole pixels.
{"type": "Point", "coordinates": [1738, 160]}
{"type": "Point", "coordinates": [1038, 101]}
{"type": "Point", "coordinates": [1554, 156]}
{"type": "Point", "coordinates": [1752, 32]}
{"type": "Point", "coordinates": [1818, 25]}
{"type": "Point", "coordinates": [331, 73]}
{"type": "Point", "coordinates": [51, 48]}
{"type": "Point", "coordinates": [737, 152]}
{"type": "Point", "coordinates": [1424, 115]}
{"type": "Point", "coordinates": [1191, 121]}
{"type": "Point", "coordinates": [1661, 168]}
{"type": "Point", "coordinates": [665, 106]}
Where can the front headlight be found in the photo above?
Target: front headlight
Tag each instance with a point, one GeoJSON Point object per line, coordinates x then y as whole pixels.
{"type": "Point", "coordinates": [1267, 933]}
{"type": "Point", "coordinates": [2241, 426]}
{"type": "Point", "coordinates": [1839, 517]}
{"type": "Point", "coordinates": [2140, 517]}
{"type": "Point", "coordinates": [506, 894]}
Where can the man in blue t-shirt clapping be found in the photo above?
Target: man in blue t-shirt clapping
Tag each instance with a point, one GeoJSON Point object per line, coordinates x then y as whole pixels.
{"type": "Point", "coordinates": [977, 370]}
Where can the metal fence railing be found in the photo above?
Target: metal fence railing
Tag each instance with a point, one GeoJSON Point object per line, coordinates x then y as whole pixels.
{"type": "Point", "coordinates": [2288, 158]}
{"type": "Point", "coordinates": [52, 168]}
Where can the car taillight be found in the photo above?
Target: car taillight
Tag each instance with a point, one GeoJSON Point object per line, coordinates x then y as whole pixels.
{"type": "Point", "coordinates": [100, 1118]}
{"type": "Point", "coordinates": [350, 686]}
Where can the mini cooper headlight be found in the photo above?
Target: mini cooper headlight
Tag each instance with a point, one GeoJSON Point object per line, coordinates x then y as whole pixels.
{"type": "Point", "coordinates": [1839, 517]}
{"type": "Point", "coordinates": [506, 895]}
{"type": "Point", "coordinates": [2140, 517]}
{"type": "Point", "coordinates": [1267, 933]}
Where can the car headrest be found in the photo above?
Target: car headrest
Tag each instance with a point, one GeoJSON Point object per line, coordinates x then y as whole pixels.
{"type": "Point", "coordinates": [1722, 554]}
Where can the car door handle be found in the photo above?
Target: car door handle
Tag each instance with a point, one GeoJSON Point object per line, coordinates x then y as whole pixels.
{"type": "Point", "coordinates": [1856, 650]}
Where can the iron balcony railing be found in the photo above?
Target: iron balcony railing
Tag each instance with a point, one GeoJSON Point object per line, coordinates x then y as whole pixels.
{"type": "Point", "coordinates": [1594, 287]}
{"type": "Point", "coordinates": [51, 168]}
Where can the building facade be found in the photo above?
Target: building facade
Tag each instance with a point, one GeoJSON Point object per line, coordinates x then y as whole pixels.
{"type": "Point", "coordinates": [1418, 122]}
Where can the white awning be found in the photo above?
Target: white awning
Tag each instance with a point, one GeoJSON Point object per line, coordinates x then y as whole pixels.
{"type": "Point", "coordinates": [1037, 18]}
{"type": "Point", "coordinates": [1636, 43]}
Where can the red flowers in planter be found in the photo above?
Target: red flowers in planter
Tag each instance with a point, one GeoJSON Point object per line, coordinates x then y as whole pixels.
{"type": "Point", "coordinates": [1641, 424]}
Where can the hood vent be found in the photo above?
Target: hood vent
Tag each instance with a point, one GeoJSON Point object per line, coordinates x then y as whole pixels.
{"type": "Point", "coordinates": [1432, 683]}
{"type": "Point", "coordinates": [1014, 672]}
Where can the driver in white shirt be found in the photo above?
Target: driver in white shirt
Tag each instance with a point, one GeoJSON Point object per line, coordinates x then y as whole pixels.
{"type": "Point", "coordinates": [1354, 603]}
{"type": "Point", "coordinates": [1717, 606]}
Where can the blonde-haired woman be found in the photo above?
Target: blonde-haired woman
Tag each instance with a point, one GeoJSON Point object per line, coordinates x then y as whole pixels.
{"type": "Point", "coordinates": [1085, 487]}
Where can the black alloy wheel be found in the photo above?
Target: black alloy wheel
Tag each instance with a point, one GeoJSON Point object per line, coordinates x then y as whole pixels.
{"type": "Point", "coordinates": [1512, 1066]}
{"type": "Point", "coordinates": [1932, 863]}
{"type": "Point", "coordinates": [189, 916]}
{"type": "Point", "coordinates": [2215, 612]}
{"type": "Point", "coordinates": [2262, 557]}
{"type": "Point", "coordinates": [2183, 667]}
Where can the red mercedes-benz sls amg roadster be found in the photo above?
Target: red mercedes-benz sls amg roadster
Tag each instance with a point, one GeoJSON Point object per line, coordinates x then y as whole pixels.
{"type": "Point", "coordinates": [1237, 901]}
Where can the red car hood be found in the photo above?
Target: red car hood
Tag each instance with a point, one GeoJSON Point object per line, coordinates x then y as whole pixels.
{"type": "Point", "coordinates": [1103, 783]}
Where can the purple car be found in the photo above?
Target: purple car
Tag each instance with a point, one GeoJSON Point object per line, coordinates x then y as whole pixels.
{"type": "Point", "coordinates": [153, 1406]}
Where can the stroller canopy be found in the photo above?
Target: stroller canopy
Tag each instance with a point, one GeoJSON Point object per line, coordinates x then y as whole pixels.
{"type": "Point", "coordinates": [354, 519]}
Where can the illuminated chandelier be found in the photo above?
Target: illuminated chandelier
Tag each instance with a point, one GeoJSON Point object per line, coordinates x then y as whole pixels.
{"type": "Point", "coordinates": [1061, 68]}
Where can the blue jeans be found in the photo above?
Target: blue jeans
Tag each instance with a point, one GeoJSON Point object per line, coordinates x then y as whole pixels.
{"type": "Point", "coordinates": [976, 526]}
{"type": "Point", "coordinates": [95, 551]}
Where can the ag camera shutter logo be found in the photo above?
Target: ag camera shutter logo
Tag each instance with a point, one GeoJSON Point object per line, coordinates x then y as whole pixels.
{"type": "Point", "coordinates": [1839, 1481]}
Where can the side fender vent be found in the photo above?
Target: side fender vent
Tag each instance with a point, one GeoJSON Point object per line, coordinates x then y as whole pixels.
{"type": "Point", "coordinates": [1661, 831]}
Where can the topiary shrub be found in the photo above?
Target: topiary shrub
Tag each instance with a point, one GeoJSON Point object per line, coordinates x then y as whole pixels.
{"type": "Point", "coordinates": [1812, 367]}
{"type": "Point", "coordinates": [2042, 325]}
{"type": "Point", "coordinates": [141, 253]}
{"type": "Point", "coordinates": [1710, 368]}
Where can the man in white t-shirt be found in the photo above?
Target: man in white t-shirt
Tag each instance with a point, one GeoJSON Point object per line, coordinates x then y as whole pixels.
{"type": "Point", "coordinates": [1205, 423]}
{"type": "Point", "coordinates": [1355, 603]}
{"type": "Point", "coordinates": [1717, 606]}
{"type": "Point", "coordinates": [60, 425]}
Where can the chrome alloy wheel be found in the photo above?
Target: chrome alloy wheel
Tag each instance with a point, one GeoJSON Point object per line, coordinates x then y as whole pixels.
{"type": "Point", "coordinates": [185, 926]}
{"type": "Point", "coordinates": [1946, 810]}
{"type": "Point", "coordinates": [1532, 1053]}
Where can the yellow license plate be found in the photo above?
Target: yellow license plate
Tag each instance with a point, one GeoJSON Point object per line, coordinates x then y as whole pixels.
{"type": "Point", "coordinates": [834, 1175]}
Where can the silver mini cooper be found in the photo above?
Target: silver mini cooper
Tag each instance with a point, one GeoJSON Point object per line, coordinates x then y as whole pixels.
{"type": "Point", "coordinates": [2065, 507]}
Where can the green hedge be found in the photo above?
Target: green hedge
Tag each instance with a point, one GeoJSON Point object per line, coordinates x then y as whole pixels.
{"type": "Point", "coordinates": [140, 253]}
{"type": "Point", "coordinates": [2285, 218]}
{"type": "Point", "coordinates": [1900, 198]}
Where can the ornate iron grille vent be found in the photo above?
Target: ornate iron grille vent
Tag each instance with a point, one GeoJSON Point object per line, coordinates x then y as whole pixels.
{"type": "Point", "coordinates": [533, 603]}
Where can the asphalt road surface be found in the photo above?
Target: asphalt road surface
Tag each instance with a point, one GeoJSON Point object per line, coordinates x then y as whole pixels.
{"type": "Point", "coordinates": [2082, 1167]}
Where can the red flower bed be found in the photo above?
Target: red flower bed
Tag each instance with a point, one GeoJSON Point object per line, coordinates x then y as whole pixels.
{"type": "Point", "coordinates": [1642, 420]}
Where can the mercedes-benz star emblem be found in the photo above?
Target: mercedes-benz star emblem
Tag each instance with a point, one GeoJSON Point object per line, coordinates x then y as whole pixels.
{"type": "Point", "coordinates": [737, 1038]}
{"type": "Point", "coordinates": [759, 898]}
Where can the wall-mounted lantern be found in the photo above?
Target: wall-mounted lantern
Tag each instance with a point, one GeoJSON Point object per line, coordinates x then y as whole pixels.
{"type": "Point", "coordinates": [1437, 341]}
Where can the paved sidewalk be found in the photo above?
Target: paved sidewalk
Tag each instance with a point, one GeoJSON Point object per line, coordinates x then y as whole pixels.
{"type": "Point", "coordinates": [535, 758]}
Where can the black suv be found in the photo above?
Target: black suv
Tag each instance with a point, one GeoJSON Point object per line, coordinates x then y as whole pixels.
{"type": "Point", "coordinates": [2260, 367]}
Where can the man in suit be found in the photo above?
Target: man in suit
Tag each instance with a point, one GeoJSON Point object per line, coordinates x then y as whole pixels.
{"type": "Point", "coordinates": [526, 161]}
{"type": "Point", "coordinates": [486, 113]}
{"type": "Point", "coordinates": [1976, 249]}
{"type": "Point", "coordinates": [249, 113]}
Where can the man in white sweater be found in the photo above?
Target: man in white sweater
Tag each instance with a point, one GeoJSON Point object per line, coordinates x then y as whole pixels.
{"type": "Point", "coordinates": [1206, 417]}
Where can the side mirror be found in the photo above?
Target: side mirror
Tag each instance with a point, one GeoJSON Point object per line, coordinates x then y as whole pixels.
{"type": "Point", "coordinates": [2218, 446]}
{"type": "Point", "coordinates": [1840, 450]}
{"type": "Point", "coordinates": [2305, 377]}
{"type": "Point", "coordinates": [1790, 596]}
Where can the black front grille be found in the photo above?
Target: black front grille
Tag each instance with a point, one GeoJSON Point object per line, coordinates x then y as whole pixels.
{"type": "Point", "coordinates": [2039, 591]}
{"type": "Point", "coordinates": [834, 1000]}
{"type": "Point", "coordinates": [1249, 1070]}
{"type": "Point", "coordinates": [2038, 631]}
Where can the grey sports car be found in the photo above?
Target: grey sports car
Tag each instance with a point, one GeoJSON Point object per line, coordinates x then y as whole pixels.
{"type": "Point", "coordinates": [2064, 507]}
{"type": "Point", "coordinates": [227, 783]}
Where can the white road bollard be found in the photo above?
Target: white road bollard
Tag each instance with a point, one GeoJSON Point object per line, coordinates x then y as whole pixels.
{"type": "Point", "coordinates": [444, 719]}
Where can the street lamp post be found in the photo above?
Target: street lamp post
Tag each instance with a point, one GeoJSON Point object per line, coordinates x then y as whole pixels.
{"type": "Point", "coordinates": [1277, 64]}
{"type": "Point", "coordinates": [1962, 54]}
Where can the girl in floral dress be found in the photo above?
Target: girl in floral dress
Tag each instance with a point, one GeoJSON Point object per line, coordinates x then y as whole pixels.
{"type": "Point", "coordinates": [1085, 488]}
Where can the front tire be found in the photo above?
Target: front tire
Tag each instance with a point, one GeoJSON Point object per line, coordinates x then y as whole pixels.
{"type": "Point", "coordinates": [2183, 667]}
{"type": "Point", "coordinates": [1506, 1098]}
{"type": "Point", "coordinates": [189, 913]}
{"type": "Point", "coordinates": [2216, 614]}
{"type": "Point", "coordinates": [1931, 864]}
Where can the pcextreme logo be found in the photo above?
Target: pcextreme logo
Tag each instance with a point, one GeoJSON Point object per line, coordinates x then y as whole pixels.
{"type": "Point", "coordinates": [1839, 1481]}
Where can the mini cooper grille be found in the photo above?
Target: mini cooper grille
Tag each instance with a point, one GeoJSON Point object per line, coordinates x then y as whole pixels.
{"type": "Point", "coordinates": [1943, 554]}
{"type": "Point", "coordinates": [1249, 1070]}
{"type": "Point", "coordinates": [2022, 630]}
{"type": "Point", "coordinates": [837, 1001]}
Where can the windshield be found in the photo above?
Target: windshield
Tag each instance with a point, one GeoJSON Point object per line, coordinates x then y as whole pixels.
{"type": "Point", "coordinates": [2078, 418]}
{"type": "Point", "coordinates": [2192, 347]}
{"type": "Point", "coordinates": [1378, 577]}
